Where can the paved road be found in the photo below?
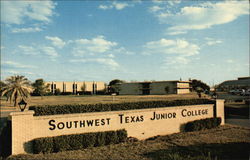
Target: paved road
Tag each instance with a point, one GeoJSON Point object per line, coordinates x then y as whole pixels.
{"type": "Point", "coordinates": [238, 120]}
{"type": "Point", "coordinates": [5, 111]}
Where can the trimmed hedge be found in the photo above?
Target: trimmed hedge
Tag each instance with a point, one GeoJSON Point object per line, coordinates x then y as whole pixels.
{"type": "Point", "coordinates": [202, 124]}
{"type": "Point", "coordinates": [78, 141]}
{"type": "Point", "coordinates": [83, 108]}
{"type": "Point", "coordinates": [5, 138]}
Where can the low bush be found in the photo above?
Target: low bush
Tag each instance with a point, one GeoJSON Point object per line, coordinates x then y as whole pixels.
{"type": "Point", "coordinates": [111, 138]}
{"type": "Point", "coordinates": [66, 93]}
{"type": "Point", "coordinates": [100, 138]}
{"type": "Point", "coordinates": [89, 139]}
{"type": "Point", "coordinates": [44, 145]}
{"type": "Point", "coordinates": [202, 124]}
{"type": "Point", "coordinates": [62, 143]}
{"type": "Point", "coordinates": [78, 141]}
{"type": "Point", "coordinates": [83, 108]}
{"type": "Point", "coordinates": [122, 136]}
{"type": "Point", "coordinates": [5, 138]}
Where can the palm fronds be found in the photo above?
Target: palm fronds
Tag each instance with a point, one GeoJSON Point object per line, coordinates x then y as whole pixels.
{"type": "Point", "coordinates": [16, 87]}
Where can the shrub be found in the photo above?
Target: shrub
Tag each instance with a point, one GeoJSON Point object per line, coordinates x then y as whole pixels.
{"type": "Point", "coordinates": [62, 143]}
{"type": "Point", "coordinates": [111, 138]}
{"type": "Point", "coordinates": [122, 135]}
{"type": "Point", "coordinates": [202, 124]}
{"type": "Point", "coordinates": [57, 91]}
{"type": "Point", "coordinates": [78, 141]}
{"type": "Point", "coordinates": [89, 139]}
{"type": "Point", "coordinates": [5, 138]}
{"type": "Point", "coordinates": [66, 93]}
{"type": "Point", "coordinates": [83, 108]}
{"type": "Point", "coordinates": [43, 145]}
{"type": "Point", "coordinates": [100, 138]}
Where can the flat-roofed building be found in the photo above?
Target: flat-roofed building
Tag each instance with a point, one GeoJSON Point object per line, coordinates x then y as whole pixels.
{"type": "Point", "coordinates": [154, 88]}
{"type": "Point", "coordinates": [81, 87]}
{"type": "Point", "coordinates": [241, 83]}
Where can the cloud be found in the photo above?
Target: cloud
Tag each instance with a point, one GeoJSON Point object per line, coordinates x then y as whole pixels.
{"type": "Point", "coordinates": [50, 51]}
{"type": "Point", "coordinates": [38, 50]}
{"type": "Point", "coordinates": [176, 60]}
{"type": "Point", "coordinates": [173, 2]}
{"type": "Point", "coordinates": [19, 72]}
{"type": "Point", "coordinates": [16, 65]}
{"type": "Point", "coordinates": [120, 6]}
{"type": "Point", "coordinates": [56, 41]}
{"type": "Point", "coordinates": [26, 30]}
{"type": "Point", "coordinates": [111, 56]}
{"type": "Point", "coordinates": [175, 52]}
{"type": "Point", "coordinates": [122, 50]}
{"type": "Point", "coordinates": [176, 33]}
{"type": "Point", "coordinates": [230, 61]}
{"type": "Point", "coordinates": [92, 46]}
{"type": "Point", "coordinates": [28, 50]}
{"type": "Point", "coordinates": [166, 46]}
{"type": "Point", "coordinates": [115, 5]}
{"type": "Point", "coordinates": [8, 72]}
{"type": "Point", "coordinates": [211, 41]}
{"type": "Point", "coordinates": [103, 61]}
{"type": "Point", "coordinates": [104, 7]}
{"type": "Point", "coordinates": [155, 8]}
{"type": "Point", "coordinates": [18, 12]}
{"type": "Point", "coordinates": [202, 16]}
{"type": "Point", "coordinates": [157, 1]}
{"type": "Point", "coordinates": [97, 50]}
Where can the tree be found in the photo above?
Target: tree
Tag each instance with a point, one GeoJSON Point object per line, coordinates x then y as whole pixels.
{"type": "Point", "coordinates": [16, 86]}
{"type": "Point", "coordinates": [167, 89]}
{"type": "Point", "coordinates": [198, 85]}
{"type": "Point", "coordinates": [57, 91]}
{"type": "Point", "coordinates": [40, 88]}
{"type": "Point", "coordinates": [83, 88]}
{"type": "Point", "coordinates": [2, 84]}
{"type": "Point", "coordinates": [115, 81]}
{"type": "Point", "coordinates": [114, 85]}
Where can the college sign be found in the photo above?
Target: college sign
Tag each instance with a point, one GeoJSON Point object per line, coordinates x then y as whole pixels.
{"type": "Point", "coordinates": [141, 124]}
{"type": "Point", "coordinates": [125, 119]}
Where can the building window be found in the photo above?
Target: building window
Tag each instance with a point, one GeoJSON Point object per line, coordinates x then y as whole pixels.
{"type": "Point", "coordinates": [64, 87]}
{"type": "Point", "coordinates": [146, 88]}
{"type": "Point", "coordinates": [146, 85]}
{"type": "Point", "coordinates": [94, 88]}
{"type": "Point", "coordinates": [75, 88]}
{"type": "Point", "coordinates": [53, 88]}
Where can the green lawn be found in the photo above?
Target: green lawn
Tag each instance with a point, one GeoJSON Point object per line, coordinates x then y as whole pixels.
{"type": "Point", "coordinates": [88, 99]}
{"type": "Point", "coordinates": [225, 142]}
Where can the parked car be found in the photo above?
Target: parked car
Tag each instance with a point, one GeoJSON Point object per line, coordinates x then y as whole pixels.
{"type": "Point", "coordinates": [235, 91]}
{"type": "Point", "coordinates": [245, 92]}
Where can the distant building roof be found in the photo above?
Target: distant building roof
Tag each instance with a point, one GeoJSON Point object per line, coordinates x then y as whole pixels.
{"type": "Point", "coordinates": [161, 81]}
{"type": "Point", "coordinates": [242, 81]}
{"type": "Point", "coordinates": [242, 78]}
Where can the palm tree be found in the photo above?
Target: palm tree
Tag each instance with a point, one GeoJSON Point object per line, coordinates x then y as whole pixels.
{"type": "Point", "coordinates": [16, 86]}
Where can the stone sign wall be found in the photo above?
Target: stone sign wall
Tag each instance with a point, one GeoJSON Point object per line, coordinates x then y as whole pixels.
{"type": "Point", "coordinates": [141, 124]}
